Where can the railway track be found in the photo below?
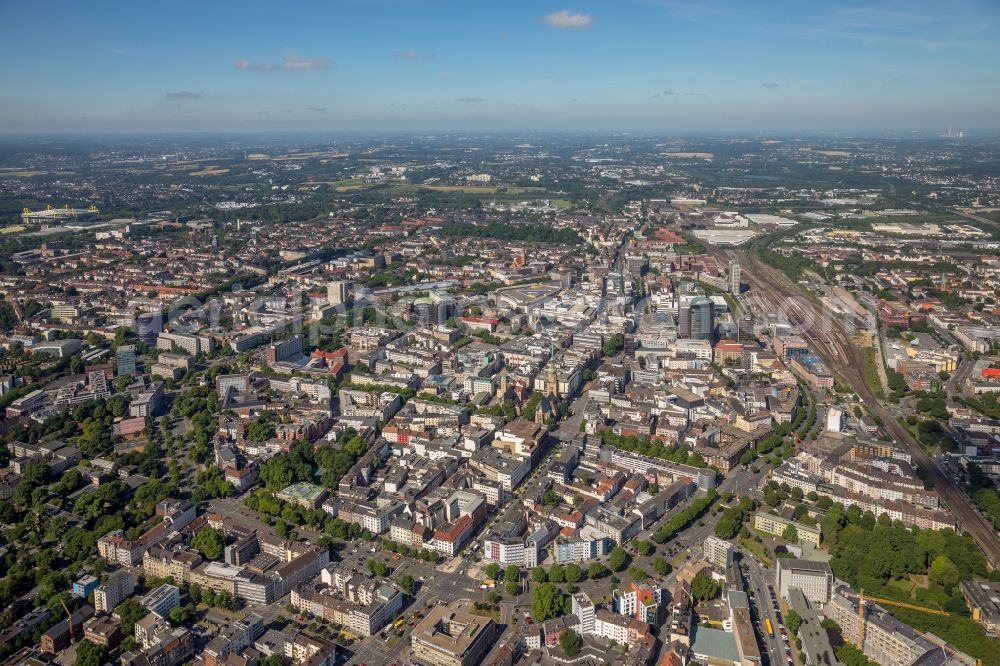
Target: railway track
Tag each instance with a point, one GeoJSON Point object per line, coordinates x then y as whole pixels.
{"type": "Point", "coordinates": [836, 347]}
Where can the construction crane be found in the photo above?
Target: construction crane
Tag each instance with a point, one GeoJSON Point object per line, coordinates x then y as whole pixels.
{"type": "Point", "coordinates": [888, 602]}
{"type": "Point", "coordinates": [69, 618]}
{"type": "Point", "coordinates": [892, 602]}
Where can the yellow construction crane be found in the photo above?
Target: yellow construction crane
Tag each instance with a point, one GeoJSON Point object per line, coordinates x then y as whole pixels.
{"type": "Point", "coordinates": [888, 602]}
{"type": "Point", "coordinates": [69, 619]}
{"type": "Point", "coordinates": [892, 602]}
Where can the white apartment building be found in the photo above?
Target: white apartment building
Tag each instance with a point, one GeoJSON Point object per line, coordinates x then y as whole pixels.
{"type": "Point", "coordinates": [117, 588]}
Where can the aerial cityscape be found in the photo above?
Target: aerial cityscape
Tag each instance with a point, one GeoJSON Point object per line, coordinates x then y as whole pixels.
{"type": "Point", "coordinates": [385, 333]}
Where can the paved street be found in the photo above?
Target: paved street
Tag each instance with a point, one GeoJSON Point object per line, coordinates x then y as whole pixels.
{"type": "Point", "coordinates": [758, 578]}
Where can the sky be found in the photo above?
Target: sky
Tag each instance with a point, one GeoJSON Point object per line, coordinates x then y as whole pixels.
{"type": "Point", "coordinates": [412, 65]}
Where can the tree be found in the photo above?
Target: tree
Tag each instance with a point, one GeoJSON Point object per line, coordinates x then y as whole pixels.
{"type": "Point", "coordinates": [259, 431]}
{"type": "Point", "coordinates": [550, 498]}
{"type": "Point", "coordinates": [90, 654]}
{"type": "Point", "coordinates": [556, 574]}
{"type": "Point", "coordinates": [538, 575]}
{"type": "Point", "coordinates": [943, 572]}
{"type": "Point", "coordinates": [209, 542]}
{"type": "Point", "coordinates": [511, 587]}
{"type": "Point", "coordinates": [546, 602]}
{"type": "Point", "coordinates": [596, 570]}
{"type": "Point", "coordinates": [728, 525]}
{"type": "Point", "coordinates": [179, 615]}
{"type": "Point", "coordinates": [793, 620]}
{"type": "Point", "coordinates": [570, 642]}
{"type": "Point", "coordinates": [492, 570]}
{"type": "Point", "coordinates": [275, 660]}
{"type": "Point", "coordinates": [408, 584]}
{"type": "Point", "coordinates": [511, 574]}
{"type": "Point", "coordinates": [637, 573]}
{"type": "Point", "coordinates": [661, 566]}
{"type": "Point", "coordinates": [377, 567]}
{"type": "Point", "coordinates": [619, 559]}
{"type": "Point", "coordinates": [130, 611]}
{"type": "Point", "coordinates": [849, 655]}
{"type": "Point", "coordinates": [790, 534]}
{"type": "Point", "coordinates": [573, 573]}
{"type": "Point", "coordinates": [703, 587]}
{"type": "Point", "coordinates": [645, 548]}
{"type": "Point", "coordinates": [225, 600]}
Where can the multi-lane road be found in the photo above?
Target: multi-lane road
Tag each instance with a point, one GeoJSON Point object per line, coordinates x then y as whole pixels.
{"type": "Point", "coordinates": [765, 605]}
{"type": "Point", "coordinates": [835, 345]}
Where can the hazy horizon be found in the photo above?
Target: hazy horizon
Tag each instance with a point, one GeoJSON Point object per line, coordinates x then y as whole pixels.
{"type": "Point", "coordinates": [654, 66]}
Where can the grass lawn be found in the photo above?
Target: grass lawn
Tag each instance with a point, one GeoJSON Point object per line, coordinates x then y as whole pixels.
{"type": "Point", "coordinates": [757, 550]}
{"type": "Point", "coordinates": [871, 373]}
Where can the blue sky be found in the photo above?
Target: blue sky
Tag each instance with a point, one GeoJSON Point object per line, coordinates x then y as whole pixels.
{"type": "Point", "coordinates": [669, 65]}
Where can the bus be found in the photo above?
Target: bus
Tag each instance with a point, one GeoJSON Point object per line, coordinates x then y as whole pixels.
{"type": "Point", "coordinates": [398, 623]}
{"type": "Point", "coordinates": [770, 629]}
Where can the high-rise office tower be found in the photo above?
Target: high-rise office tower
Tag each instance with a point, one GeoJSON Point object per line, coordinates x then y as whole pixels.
{"type": "Point", "coordinates": [735, 277]}
{"type": "Point", "coordinates": [336, 292]}
{"type": "Point", "coordinates": [125, 358]}
{"type": "Point", "coordinates": [701, 319]}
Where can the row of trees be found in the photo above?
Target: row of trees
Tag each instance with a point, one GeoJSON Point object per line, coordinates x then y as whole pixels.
{"type": "Point", "coordinates": [685, 517]}
{"type": "Point", "coordinates": [652, 448]}
{"type": "Point", "coordinates": [539, 233]}
{"type": "Point", "coordinates": [418, 553]}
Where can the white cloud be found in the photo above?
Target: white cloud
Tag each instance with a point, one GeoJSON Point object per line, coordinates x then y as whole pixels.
{"type": "Point", "coordinates": [566, 19]}
{"type": "Point", "coordinates": [405, 55]}
{"type": "Point", "coordinates": [254, 66]}
{"type": "Point", "coordinates": [470, 100]}
{"type": "Point", "coordinates": [289, 63]}
{"type": "Point", "coordinates": [297, 63]}
{"type": "Point", "coordinates": [769, 84]}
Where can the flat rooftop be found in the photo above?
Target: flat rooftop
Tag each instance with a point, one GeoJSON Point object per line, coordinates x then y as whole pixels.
{"type": "Point", "coordinates": [451, 630]}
